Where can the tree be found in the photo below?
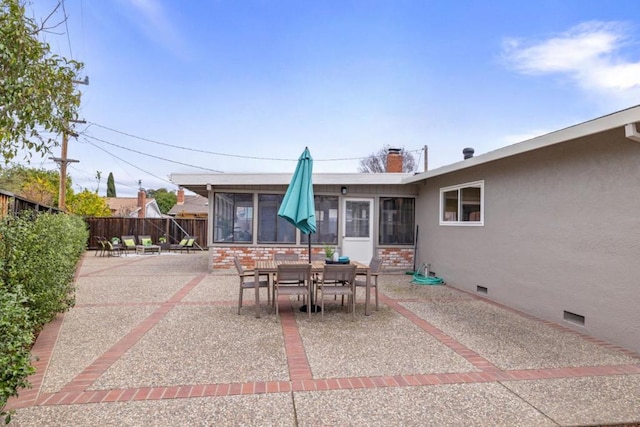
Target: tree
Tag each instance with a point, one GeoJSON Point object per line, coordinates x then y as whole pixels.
{"type": "Point", "coordinates": [38, 98]}
{"type": "Point", "coordinates": [111, 186]}
{"type": "Point", "coordinates": [88, 203]}
{"type": "Point", "coordinates": [39, 185]}
{"type": "Point", "coordinates": [377, 162]}
{"type": "Point", "coordinates": [165, 199]}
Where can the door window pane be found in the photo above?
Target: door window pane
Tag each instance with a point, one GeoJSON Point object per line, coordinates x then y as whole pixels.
{"type": "Point", "coordinates": [357, 217]}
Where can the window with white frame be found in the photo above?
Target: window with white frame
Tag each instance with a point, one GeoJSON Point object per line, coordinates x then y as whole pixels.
{"type": "Point", "coordinates": [462, 204]}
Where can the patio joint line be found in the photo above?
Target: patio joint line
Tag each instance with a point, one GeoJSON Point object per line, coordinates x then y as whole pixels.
{"type": "Point", "coordinates": [186, 391]}
{"type": "Point", "coordinates": [297, 361]}
{"type": "Point", "coordinates": [466, 353]}
{"type": "Point", "coordinates": [99, 366]}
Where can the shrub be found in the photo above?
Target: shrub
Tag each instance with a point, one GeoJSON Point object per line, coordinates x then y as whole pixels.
{"type": "Point", "coordinates": [38, 258]}
{"type": "Point", "coordinates": [15, 330]}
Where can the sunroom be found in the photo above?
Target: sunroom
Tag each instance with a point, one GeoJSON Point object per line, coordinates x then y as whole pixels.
{"type": "Point", "coordinates": [359, 215]}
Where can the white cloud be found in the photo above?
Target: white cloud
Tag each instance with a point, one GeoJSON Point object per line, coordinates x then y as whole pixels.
{"type": "Point", "coordinates": [589, 53]}
{"type": "Point", "coordinates": [152, 18]}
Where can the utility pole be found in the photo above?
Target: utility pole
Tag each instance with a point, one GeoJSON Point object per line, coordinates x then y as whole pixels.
{"type": "Point", "coordinates": [62, 160]}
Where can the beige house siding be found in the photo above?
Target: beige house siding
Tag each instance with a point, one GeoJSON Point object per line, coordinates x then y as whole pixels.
{"type": "Point", "coordinates": [561, 233]}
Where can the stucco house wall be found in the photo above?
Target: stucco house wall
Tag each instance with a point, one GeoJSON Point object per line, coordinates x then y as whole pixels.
{"type": "Point", "coordinates": [561, 234]}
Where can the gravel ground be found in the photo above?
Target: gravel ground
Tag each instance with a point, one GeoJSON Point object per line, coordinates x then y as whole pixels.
{"type": "Point", "coordinates": [444, 405]}
{"type": "Point", "coordinates": [201, 345]}
{"type": "Point", "coordinates": [511, 341]}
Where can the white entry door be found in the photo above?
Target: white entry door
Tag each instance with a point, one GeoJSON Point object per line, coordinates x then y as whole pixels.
{"type": "Point", "coordinates": [357, 229]}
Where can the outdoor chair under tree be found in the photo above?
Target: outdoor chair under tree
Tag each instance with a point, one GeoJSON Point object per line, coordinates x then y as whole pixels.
{"type": "Point", "coordinates": [247, 281]}
{"type": "Point", "coordinates": [292, 279]}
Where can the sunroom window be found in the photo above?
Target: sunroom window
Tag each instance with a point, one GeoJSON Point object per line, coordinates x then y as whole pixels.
{"type": "Point", "coordinates": [462, 204]}
{"type": "Point", "coordinates": [233, 214]}
{"type": "Point", "coordinates": [271, 227]}
{"type": "Point", "coordinates": [397, 219]}
{"type": "Point", "coordinates": [326, 222]}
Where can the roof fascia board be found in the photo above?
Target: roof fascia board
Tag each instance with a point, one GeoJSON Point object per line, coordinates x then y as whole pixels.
{"type": "Point", "coordinates": [250, 179]}
{"type": "Point", "coordinates": [601, 124]}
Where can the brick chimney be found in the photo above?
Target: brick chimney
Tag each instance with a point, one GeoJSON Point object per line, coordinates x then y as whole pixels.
{"type": "Point", "coordinates": [394, 161]}
{"type": "Point", "coordinates": [180, 196]}
{"type": "Point", "coordinates": [142, 203]}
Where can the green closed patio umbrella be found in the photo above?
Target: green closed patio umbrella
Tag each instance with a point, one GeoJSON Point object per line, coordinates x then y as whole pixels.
{"type": "Point", "coordinates": [298, 206]}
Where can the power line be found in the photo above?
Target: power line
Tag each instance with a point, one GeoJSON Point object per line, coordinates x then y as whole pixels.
{"type": "Point", "coordinates": [151, 155]}
{"type": "Point", "coordinates": [66, 25]}
{"type": "Point", "coordinates": [130, 164]}
{"type": "Point", "coordinates": [240, 156]}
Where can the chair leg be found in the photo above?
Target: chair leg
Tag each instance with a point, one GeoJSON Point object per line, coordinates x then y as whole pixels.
{"type": "Point", "coordinates": [376, 286]}
{"type": "Point", "coordinates": [353, 307]}
{"type": "Point", "coordinates": [240, 300]}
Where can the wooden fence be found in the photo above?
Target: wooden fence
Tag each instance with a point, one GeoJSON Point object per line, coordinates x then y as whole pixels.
{"type": "Point", "coordinates": [173, 229]}
{"type": "Point", "coordinates": [12, 204]}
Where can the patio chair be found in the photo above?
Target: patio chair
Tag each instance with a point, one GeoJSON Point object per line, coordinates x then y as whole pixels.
{"type": "Point", "coordinates": [185, 244]}
{"type": "Point", "coordinates": [145, 244]}
{"type": "Point", "coordinates": [375, 267]}
{"type": "Point", "coordinates": [247, 281]}
{"type": "Point", "coordinates": [286, 257]}
{"type": "Point", "coordinates": [128, 244]}
{"type": "Point", "coordinates": [102, 246]}
{"type": "Point", "coordinates": [292, 279]}
{"type": "Point", "coordinates": [338, 279]}
{"type": "Point", "coordinates": [110, 248]}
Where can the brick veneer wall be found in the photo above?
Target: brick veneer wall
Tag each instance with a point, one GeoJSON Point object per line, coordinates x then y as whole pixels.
{"type": "Point", "coordinates": [222, 257]}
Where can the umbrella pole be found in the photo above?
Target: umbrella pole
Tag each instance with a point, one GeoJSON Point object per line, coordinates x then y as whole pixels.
{"type": "Point", "coordinates": [312, 304]}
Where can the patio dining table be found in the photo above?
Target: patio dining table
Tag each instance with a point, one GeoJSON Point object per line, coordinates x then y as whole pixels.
{"type": "Point", "coordinates": [262, 268]}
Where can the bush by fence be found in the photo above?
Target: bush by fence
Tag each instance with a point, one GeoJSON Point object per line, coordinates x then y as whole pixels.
{"type": "Point", "coordinates": [38, 257]}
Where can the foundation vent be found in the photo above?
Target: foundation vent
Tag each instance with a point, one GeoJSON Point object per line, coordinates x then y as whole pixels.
{"type": "Point", "coordinates": [482, 289]}
{"type": "Point", "coordinates": [574, 318]}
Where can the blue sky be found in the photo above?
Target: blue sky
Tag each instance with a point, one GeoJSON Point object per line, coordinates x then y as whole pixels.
{"type": "Point", "coordinates": [266, 78]}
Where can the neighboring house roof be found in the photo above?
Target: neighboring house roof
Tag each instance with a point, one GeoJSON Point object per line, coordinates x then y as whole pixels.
{"type": "Point", "coordinates": [128, 206]}
{"type": "Point", "coordinates": [193, 206]}
{"type": "Point", "coordinates": [615, 120]}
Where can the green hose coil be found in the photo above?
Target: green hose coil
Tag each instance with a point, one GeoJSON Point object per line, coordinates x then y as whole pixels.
{"type": "Point", "coordinates": [422, 277]}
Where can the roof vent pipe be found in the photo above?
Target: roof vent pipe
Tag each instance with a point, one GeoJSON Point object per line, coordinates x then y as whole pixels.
{"type": "Point", "coordinates": [468, 153]}
{"type": "Point", "coordinates": [631, 132]}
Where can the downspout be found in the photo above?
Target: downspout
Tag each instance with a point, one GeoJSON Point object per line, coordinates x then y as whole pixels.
{"type": "Point", "coordinates": [631, 132]}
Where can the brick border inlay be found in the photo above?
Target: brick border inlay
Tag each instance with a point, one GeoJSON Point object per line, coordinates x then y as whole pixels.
{"type": "Point", "coordinates": [300, 374]}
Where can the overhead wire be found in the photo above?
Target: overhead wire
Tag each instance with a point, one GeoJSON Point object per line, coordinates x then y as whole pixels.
{"type": "Point", "coordinates": [129, 163]}
{"type": "Point", "coordinates": [241, 156]}
{"type": "Point", "coordinates": [150, 155]}
{"type": "Point", "coordinates": [66, 25]}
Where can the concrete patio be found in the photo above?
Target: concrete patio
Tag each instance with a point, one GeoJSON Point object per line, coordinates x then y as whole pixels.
{"type": "Point", "coordinates": [156, 340]}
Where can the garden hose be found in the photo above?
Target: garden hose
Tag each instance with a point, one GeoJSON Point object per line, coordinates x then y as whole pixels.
{"type": "Point", "coordinates": [423, 277]}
